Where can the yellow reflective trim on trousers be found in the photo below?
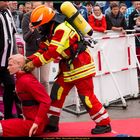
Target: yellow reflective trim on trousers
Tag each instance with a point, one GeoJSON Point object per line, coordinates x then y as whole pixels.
{"type": "Point", "coordinates": [79, 76]}
{"type": "Point", "coordinates": [87, 101]}
{"type": "Point", "coordinates": [37, 54]}
{"type": "Point", "coordinates": [59, 93]}
{"type": "Point", "coordinates": [83, 68]}
{"type": "Point", "coordinates": [43, 60]}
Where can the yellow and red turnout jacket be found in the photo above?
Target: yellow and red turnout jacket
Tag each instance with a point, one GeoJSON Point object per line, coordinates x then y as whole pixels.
{"type": "Point", "coordinates": [62, 41]}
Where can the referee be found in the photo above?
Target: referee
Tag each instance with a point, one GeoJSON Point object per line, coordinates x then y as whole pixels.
{"type": "Point", "coordinates": [7, 47]}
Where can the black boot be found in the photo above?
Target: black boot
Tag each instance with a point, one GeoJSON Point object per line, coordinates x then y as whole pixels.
{"type": "Point", "coordinates": [52, 126]}
{"type": "Point", "coordinates": [101, 129]}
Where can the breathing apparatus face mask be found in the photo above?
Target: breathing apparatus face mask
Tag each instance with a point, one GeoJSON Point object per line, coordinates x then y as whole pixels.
{"type": "Point", "coordinates": [45, 29]}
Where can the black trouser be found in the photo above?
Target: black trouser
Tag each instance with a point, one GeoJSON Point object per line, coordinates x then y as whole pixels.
{"type": "Point", "coordinates": [9, 91]}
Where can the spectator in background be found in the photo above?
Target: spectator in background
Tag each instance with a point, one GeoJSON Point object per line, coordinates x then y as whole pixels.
{"type": "Point", "coordinates": [115, 20]}
{"type": "Point", "coordinates": [28, 7]}
{"type": "Point", "coordinates": [137, 41]}
{"type": "Point", "coordinates": [82, 9]}
{"type": "Point", "coordinates": [137, 38]}
{"type": "Point", "coordinates": [7, 48]}
{"type": "Point", "coordinates": [49, 4]}
{"type": "Point", "coordinates": [108, 10]}
{"type": "Point", "coordinates": [32, 39]}
{"type": "Point", "coordinates": [97, 20]}
{"type": "Point", "coordinates": [89, 7]}
{"type": "Point", "coordinates": [17, 15]}
{"type": "Point", "coordinates": [106, 6]}
{"type": "Point", "coordinates": [21, 8]}
{"type": "Point", "coordinates": [30, 35]}
{"type": "Point", "coordinates": [134, 15]}
{"type": "Point", "coordinates": [128, 3]}
{"type": "Point", "coordinates": [102, 4]}
{"type": "Point", "coordinates": [123, 8]}
{"type": "Point", "coordinates": [129, 11]}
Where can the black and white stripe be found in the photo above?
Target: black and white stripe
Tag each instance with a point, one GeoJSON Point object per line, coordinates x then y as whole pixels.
{"type": "Point", "coordinates": [7, 38]}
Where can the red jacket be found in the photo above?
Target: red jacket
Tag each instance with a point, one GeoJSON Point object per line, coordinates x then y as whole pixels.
{"type": "Point", "coordinates": [96, 24]}
{"type": "Point", "coordinates": [29, 89]}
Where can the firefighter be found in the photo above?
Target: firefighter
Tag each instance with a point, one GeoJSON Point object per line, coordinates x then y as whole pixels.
{"type": "Point", "coordinates": [76, 67]}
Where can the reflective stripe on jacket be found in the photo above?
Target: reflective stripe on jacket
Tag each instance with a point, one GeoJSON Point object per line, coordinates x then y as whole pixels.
{"type": "Point", "coordinates": [65, 37]}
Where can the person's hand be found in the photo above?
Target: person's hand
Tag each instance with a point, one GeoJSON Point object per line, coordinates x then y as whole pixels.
{"type": "Point", "coordinates": [105, 31]}
{"type": "Point", "coordinates": [123, 31]}
{"type": "Point", "coordinates": [120, 28]}
{"type": "Point", "coordinates": [27, 60]}
{"type": "Point", "coordinates": [33, 129]}
{"type": "Point", "coordinates": [29, 67]}
{"type": "Point", "coordinates": [31, 27]}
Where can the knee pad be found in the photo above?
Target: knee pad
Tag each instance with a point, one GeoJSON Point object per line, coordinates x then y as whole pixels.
{"type": "Point", "coordinates": [86, 102]}
{"type": "Point", "coordinates": [56, 92]}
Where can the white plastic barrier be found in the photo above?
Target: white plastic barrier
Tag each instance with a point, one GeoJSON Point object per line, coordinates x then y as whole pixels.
{"type": "Point", "coordinates": [116, 69]}
{"type": "Point", "coordinates": [53, 71]}
{"type": "Point", "coordinates": [115, 55]}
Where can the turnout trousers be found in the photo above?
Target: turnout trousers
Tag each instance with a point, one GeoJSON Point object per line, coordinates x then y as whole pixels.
{"type": "Point", "coordinates": [85, 89]}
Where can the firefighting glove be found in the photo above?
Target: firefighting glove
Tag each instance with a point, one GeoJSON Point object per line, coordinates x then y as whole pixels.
{"type": "Point", "coordinates": [29, 67]}
{"type": "Point", "coordinates": [27, 60]}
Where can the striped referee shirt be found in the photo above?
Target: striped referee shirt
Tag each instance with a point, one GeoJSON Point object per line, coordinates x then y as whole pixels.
{"type": "Point", "coordinates": [7, 38]}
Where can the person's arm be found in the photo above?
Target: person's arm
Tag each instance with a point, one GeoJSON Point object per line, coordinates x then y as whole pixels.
{"type": "Point", "coordinates": [39, 94]}
{"type": "Point", "coordinates": [33, 129]}
{"type": "Point", "coordinates": [61, 40]}
{"type": "Point", "coordinates": [91, 21]}
{"type": "Point", "coordinates": [117, 28]}
{"type": "Point", "coordinates": [102, 28]}
{"type": "Point", "coordinates": [57, 45]}
{"type": "Point", "coordinates": [130, 21]}
{"type": "Point", "coordinates": [124, 24]}
{"type": "Point", "coordinates": [108, 22]}
{"type": "Point", "coordinates": [26, 30]}
{"type": "Point", "coordinates": [86, 15]}
{"type": "Point", "coordinates": [1, 36]}
{"type": "Point", "coordinates": [15, 49]}
{"type": "Point", "coordinates": [43, 46]}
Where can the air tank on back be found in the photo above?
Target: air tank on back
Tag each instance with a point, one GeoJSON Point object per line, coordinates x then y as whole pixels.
{"type": "Point", "coordinates": [82, 25]}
